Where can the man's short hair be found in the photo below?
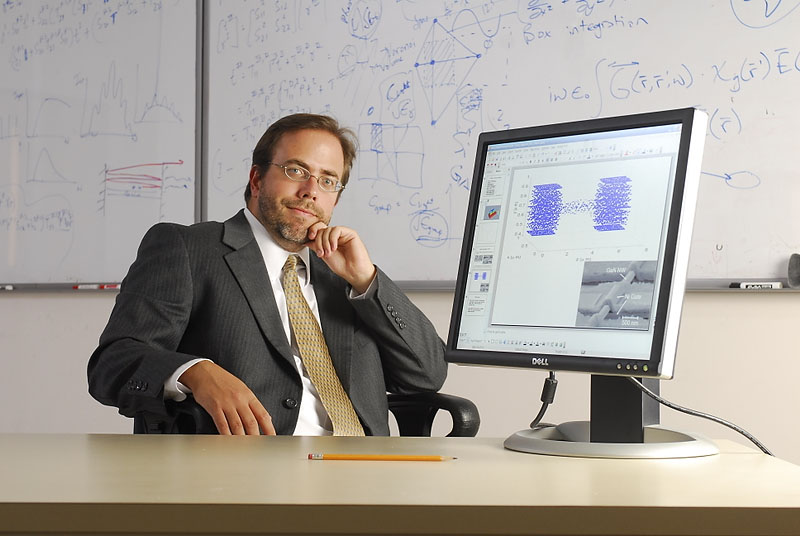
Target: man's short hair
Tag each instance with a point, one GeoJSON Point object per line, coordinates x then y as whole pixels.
{"type": "Point", "coordinates": [265, 148]}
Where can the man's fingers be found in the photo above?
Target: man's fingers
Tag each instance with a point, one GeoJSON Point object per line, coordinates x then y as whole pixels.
{"type": "Point", "coordinates": [221, 422]}
{"type": "Point", "coordinates": [234, 422]}
{"type": "Point", "coordinates": [263, 419]}
{"type": "Point", "coordinates": [250, 424]}
{"type": "Point", "coordinates": [248, 419]}
{"type": "Point", "coordinates": [315, 228]}
{"type": "Point", "coordinates": [232, 405]}
{"type": "Point", "coordinates": [319, 234]}
{"type": "Point", "coordinates": [326, 240]}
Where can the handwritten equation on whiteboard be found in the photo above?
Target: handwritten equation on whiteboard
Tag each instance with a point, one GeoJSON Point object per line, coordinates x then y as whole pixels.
{"type": "Point", "coordinates": [418, 81]}
{"type": "Point", "coordinates": [97, 128]}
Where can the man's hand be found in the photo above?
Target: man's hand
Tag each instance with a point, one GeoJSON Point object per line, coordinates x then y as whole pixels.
{"type": "Point", "coordinates": [232, 405]}
{"type": "Point", "coordinates": [343, 251]}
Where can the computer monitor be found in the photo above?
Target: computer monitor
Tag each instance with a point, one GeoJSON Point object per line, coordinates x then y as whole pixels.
{"type": "Point", "coordinates": [574, 258]}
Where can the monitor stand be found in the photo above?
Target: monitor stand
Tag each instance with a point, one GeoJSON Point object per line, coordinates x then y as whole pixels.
{"type": "Point", "coordinates": [624, 424]}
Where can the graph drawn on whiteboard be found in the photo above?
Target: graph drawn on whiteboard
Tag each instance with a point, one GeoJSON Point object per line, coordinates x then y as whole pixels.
{"type": "Point", "coordinates": [100, 147]}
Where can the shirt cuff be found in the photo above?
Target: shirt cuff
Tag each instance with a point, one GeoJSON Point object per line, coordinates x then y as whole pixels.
{"type": "Point", "coordinates": [175, 390]}
{"type": "Point", "coordinates": [369, 293]}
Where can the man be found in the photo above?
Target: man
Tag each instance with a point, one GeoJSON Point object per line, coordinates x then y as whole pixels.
{"type": "Point", "coordinates": [207, 309]}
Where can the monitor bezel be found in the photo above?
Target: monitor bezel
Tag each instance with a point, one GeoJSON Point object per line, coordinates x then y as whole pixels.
{"type": "Point", "coordinates": [672, 284]}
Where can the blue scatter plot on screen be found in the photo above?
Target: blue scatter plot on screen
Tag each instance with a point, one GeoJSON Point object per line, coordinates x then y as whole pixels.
{"type": "Point", "coordinates": [612, 204]}
{"type": "Point", "coordinates": [578, 206]}
{"type": "Point", "coordinates": [545, 209]}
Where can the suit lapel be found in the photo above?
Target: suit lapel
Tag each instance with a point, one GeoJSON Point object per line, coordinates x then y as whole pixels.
{"type": "Point", "coordinates": [247, 265]}
{"type": "Point", "coordinates": [336, 317]}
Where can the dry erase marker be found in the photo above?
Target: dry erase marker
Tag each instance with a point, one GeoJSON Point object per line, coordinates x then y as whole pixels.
{"type": "Point", "coordinates": [7, 287]}
{"type": "Point", "coordinates": [757, 285]}
{"type": "Point", "coordinates": [86, 286]}
{"type": "Point", "coordinates": [380, 457]}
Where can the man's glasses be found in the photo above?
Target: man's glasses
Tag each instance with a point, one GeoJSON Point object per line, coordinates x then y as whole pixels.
{"type": "Point", "coordinates": [301, 174]}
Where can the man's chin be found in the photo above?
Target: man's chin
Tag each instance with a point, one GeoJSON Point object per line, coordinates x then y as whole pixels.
{"type": "Point", "coordinates": [295, 236]}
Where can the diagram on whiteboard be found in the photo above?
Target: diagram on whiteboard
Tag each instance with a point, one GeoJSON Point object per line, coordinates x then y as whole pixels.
{"type": "Point", "coordinates": [103, 146]}
{"type": "Point", "coordinates": [443, 65]}
{"type": "Point", "coordinates": [419, 81]}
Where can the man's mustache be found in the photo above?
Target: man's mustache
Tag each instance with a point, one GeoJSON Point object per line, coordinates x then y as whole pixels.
{"type": "Point", "coordinates": [308, 207]}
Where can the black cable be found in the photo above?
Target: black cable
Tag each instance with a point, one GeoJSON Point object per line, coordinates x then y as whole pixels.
{"type": "Point", "coordinates": [548, 395]}
{"type": "Point", "coordinates": [696, 413]}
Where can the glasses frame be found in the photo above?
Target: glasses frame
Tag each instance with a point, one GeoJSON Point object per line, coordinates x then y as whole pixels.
{"type": "Point", "coordinates": [338, 188]}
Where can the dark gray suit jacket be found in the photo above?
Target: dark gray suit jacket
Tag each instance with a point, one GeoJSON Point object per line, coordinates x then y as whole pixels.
{"type": "Point", "coordinates": [203, 291]}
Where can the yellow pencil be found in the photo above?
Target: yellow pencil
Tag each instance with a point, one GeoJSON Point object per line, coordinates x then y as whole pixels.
{"type": "Point", "coordinates": [380, 457]}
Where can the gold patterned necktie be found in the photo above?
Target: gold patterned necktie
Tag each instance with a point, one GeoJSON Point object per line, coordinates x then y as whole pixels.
{"type": "Point", "coordinates": [315, 356]}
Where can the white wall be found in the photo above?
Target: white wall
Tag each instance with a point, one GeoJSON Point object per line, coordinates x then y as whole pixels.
{"type": "Point", "coordinates": [736, 360]}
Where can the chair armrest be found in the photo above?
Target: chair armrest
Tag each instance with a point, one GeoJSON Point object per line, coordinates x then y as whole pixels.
{"type": "Point", "coordinates": [186, 417]}
{"type": "Point", "coordinates": [415, 413]}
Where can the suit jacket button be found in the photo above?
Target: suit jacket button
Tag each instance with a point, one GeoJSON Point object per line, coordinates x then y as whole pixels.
{"type": "Point", "coordinates": [289, 403]}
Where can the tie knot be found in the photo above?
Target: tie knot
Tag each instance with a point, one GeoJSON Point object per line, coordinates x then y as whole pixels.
{"type": "Point", "coordinates": [291, 263]}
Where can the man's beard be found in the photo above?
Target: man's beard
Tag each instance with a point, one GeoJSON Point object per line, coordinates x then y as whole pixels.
{"type": "Point", "coordinates": [294, 232]}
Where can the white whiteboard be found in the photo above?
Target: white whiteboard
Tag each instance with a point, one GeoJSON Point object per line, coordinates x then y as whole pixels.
{"type": "Point", "coordinates": [97, 133]}
{"type": "Point", "coordinates": [419, 80]}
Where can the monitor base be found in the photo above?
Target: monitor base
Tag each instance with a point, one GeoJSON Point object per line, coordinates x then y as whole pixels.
{"type": "Point", "coordinates": [572, 439]}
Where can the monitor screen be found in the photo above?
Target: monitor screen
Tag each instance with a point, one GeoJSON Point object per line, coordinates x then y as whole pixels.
{"type": "Point", "coordinates": [576, 245]}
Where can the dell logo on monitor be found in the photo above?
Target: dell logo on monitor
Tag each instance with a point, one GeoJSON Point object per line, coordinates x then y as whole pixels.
{"type": "Point", "coordinates": [539, 362]}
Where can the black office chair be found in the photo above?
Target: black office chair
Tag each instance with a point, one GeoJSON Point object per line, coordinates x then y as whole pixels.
{"type": "Point", "coordinates": [414, 415]}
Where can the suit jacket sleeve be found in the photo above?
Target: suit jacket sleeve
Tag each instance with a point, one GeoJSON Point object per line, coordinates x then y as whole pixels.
{"type": "Point", "coordinates": [411, 352]}
{"type": "Point", "coordinates": [137, 349]}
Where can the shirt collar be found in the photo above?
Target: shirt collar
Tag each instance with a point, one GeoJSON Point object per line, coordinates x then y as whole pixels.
{"type": "Point", "coordinates": [274, 255]}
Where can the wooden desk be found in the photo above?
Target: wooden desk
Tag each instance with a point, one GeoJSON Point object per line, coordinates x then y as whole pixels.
{"type": "Point", "coordinates": [235, 485]}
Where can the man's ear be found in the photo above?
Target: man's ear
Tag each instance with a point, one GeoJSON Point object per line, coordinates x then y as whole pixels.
{"type": "Point", "coordinates": [255, 180]}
